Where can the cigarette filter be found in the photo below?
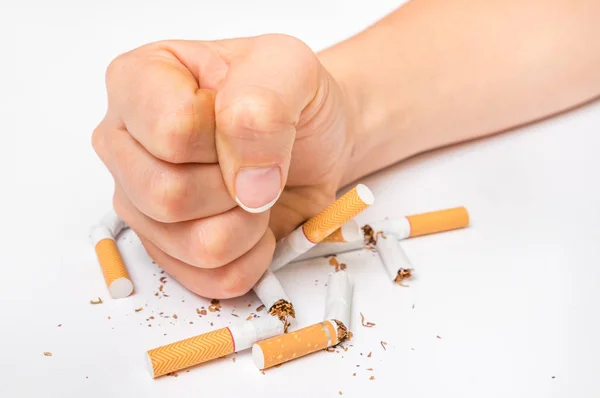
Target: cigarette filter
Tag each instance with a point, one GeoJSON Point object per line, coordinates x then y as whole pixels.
{"type": "Point", "coordinates": [208, 346]}
{"type": "Point", "coordinates": [338, 304]}
{"type": "Point", "coordinates": [348, 232]}
{"type": "Point", "coordinates": [114, 271]}
{"type": "Point", "coordinates": [270, 292]}
{"type": "Point", "coordinates": [289, 346]}
{"type": "Point", "coordinates": [402, 228]}
{"type": "Point", "coordinates": [392, 256]}
{"type": "Point", "coordinates": [322, 225]}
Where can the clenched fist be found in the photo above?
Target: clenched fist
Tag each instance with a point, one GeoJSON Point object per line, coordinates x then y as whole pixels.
{"type": "Point", "coordinates": [219, 148]}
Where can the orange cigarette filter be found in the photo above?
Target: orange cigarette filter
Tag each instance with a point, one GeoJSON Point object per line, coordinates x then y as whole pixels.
{"type": "Point", "coordinates": [338, 213]}
{"type": "Point", "coordinates": [115, 274]}
{"type": "Point", "coordinates": [438, 221]}
{"type": "Point", "coordinates": [113, 268]}
{"type": "Point", "coordinates": [313, 231]}
{"type": "Point", "coordinates": [348, 232]}
{"type": "Point", "coordinates": [189, 352]}
{"type": "Point", "coordinates": [287, 347]}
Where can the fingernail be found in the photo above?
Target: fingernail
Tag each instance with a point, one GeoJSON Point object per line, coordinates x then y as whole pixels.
{"type": "Point", "coordinates": [257, 188]}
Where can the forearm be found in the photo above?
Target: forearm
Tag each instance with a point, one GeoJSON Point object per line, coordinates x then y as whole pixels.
{"type": "Point", "coordinates": [438, 72]}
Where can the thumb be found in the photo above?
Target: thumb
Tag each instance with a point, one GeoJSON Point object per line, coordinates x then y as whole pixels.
{"type": "Point", "coordinates": [270, 81]}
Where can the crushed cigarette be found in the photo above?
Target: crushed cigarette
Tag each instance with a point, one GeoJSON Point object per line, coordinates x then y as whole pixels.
{"type": "Point", "coordinates": [365, 324]}
{"type": "Point", "coordinates": [282, 309]}
{"type": "Point", "coordinates": [47, 354]}
{"type": "Point", "coordinates": [99, 301]}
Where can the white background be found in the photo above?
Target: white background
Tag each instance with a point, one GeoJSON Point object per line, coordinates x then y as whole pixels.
{"type": "Point", "coordinates": [515, 298]}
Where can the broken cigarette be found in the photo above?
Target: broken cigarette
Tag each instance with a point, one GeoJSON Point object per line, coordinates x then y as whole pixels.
{"type": "Point", "coordinates": [348, 232]}
{"type": "Point", "coordinates": [338, 304]}
{"type": "Point", "coordinates": [286, 347]}
{"type": "Point", "coordinates": [270, 292]}
{"type": "Point", "coordinates": [208, 346]}
{"type": "Point", "coordinates": [322, 225]}
{"type": "Point", "coordinates": [115, 273]}
{"type": "Point", "coordinates": [332, 331]}
{"type": "Point", "coordinates": [403, 228]}
{"type": "Point", "coordinates": [393, 257]}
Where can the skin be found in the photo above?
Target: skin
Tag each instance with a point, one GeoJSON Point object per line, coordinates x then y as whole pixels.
{"type": "Point", "coordinates": [199, 135]}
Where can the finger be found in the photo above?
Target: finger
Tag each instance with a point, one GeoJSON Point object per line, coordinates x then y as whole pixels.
{"type": "Point", "coordinates": [232, 280]}
{"type": "Point", "coordinates": [271, 80]}
{"type": "Point", "coordinates": [164, 191]}
{"type": "Point", "coordinates": [206, 243]}
{"type": "Point", "coordinates": [159, 100]}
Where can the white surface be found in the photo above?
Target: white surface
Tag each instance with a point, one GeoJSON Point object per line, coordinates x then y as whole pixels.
{"type": "Point", "coordinates": [515, 298]}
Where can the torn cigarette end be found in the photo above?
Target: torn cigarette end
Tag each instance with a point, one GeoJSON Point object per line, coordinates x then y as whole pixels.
{"type": "Point", "coordinates": [286, 347]}
{"type": "Point", "coordinates": [282, 309]}
{"type": "Point", "coordinates": [403, 274]}
{"type": "Point", "coordinates": [342, 332]}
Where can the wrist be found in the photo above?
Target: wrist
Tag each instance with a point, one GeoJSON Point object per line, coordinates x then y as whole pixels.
{"type": "Point", "coordinates": [371, 124]}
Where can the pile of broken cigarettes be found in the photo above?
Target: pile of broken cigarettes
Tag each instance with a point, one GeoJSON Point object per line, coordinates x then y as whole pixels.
{"type": "Point", "coordinates": [275, 339]}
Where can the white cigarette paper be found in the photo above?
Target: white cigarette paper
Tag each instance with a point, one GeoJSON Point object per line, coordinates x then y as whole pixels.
{"type": "Point", "coordinates": [392, 255]}
{"type": "Point", "coordinates": [328, 249]}
{"type": "Point", "coordinates": [109, 227]}
{"type": "Point", "coordinates": [338, 304]}
{"type": "Point", "coordinates": [269, 290]}
{"type": "Point", "coordinates": [247, 333]}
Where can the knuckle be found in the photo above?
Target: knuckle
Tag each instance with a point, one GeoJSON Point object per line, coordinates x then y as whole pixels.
{"type": "Point", "coordinates": [98, 141]}
{"type": "Point", "coordinates": [254, 112]}
{"type": "Point", "coordinates": [235, 283]}
{"type": "Point", "coordinates": [116, 67]}
{"type": "Point", "coordinates": [175, 132]}
{"type": "Point", "coordinates": [209, 247]}
{"type": "Point", "coordinates": [167, 197]}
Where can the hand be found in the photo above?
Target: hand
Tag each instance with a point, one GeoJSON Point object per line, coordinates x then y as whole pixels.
{"type": "Point", "coordinates": [219, 148]}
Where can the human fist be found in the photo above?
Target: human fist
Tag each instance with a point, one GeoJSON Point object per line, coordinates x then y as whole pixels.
{"type": "Point", "coordinates": [219, 148]}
